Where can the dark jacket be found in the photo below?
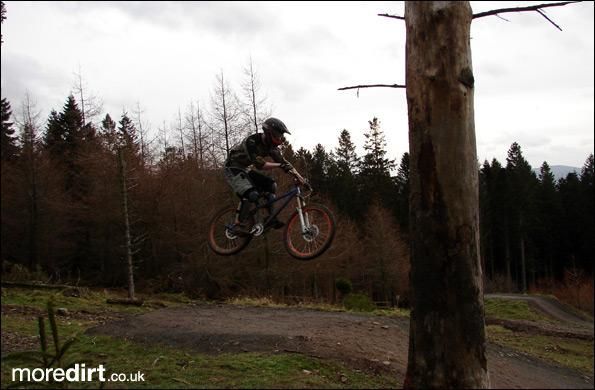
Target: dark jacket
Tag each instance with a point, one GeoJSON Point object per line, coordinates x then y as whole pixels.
{"type": "Point", "coordinates": [252, 151]}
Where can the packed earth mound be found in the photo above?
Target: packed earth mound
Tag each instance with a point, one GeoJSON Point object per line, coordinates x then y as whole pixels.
{"type": "Point", "coordinates": [364, 342]}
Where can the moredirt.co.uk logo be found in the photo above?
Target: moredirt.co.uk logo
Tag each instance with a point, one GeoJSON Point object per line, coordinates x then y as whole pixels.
{"type": "Point", "coordinates": [77, 373]}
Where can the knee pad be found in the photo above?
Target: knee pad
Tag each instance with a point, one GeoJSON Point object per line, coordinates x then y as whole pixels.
{"type": "Point", "coordinates": [252, 195]}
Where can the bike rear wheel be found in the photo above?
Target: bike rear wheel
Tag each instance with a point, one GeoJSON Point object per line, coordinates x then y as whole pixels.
{"type": "Point", "coordinates": [223, 239]}
{"type": "Point", "coordinates": [318, 237]}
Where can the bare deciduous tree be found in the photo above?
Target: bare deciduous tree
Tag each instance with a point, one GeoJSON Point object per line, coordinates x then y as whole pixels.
{"type": "Point", "coordinates": [180, 129]}
{"type": "Point", "coordinates": [91, 106]}
{"type": "Point", "coordinates": [195, 124]}
{"type": "Point", "coordinates": [29, 125]}
{"type": "Point", "coordinates": [226, 114]}
{"type": "Point", "coordinates": [255, 110]}
{"type": "Point", "coordinates": [143, 132]}
{"type": "Point", "coordinates": [126, 217]}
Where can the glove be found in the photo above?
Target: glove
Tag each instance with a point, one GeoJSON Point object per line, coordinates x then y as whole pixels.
{"type": "Point", "coordinates": [259, 163]}
{"type": "Point", "coordinates": [286, 167]}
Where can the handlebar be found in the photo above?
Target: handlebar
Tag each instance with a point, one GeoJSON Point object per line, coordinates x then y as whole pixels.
{"type": "Point", "coordinates": [301, 181]}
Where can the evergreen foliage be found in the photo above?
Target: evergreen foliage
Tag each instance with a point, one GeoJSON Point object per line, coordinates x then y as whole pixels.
{"type": "Point", "coordinates": [8, 146]}
{"type": "Point", "coordinates": [402, 192]}
{"type": "Point", "coordinates": [63, 214]}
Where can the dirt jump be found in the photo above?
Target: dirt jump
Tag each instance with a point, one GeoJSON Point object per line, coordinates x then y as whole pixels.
{"type": "Point", "coordinates": [371, 343]}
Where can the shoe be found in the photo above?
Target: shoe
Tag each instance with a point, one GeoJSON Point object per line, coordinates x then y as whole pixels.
{"type": "Point", "coordinates": [243, 228]}
{"type": "Point", "coordinates": [275, 223]}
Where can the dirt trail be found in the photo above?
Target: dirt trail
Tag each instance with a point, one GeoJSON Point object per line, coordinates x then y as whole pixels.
{"type": "Point", "coordinates": [550, 307]}
{"type": "Point", "coordinates": [361, 341]}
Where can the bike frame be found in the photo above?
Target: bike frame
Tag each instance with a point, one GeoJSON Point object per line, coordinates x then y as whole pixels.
{"type": "Point", "coordinates": [288, 196]}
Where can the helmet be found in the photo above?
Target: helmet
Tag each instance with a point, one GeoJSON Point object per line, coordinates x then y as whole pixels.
{"type": "Point", "coordinates": [274, 129]}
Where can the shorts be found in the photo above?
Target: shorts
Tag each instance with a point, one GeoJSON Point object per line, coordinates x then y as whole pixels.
{"type": "Point", "coordinates": [242, 182]}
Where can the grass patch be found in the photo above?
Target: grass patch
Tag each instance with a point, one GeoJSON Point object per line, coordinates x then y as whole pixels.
{"type": "Point", "coordinates": [255, 301]}
{"type": "Point", "coordinates": [167, 367]}
{"type": "Point", "coordinates": [572, 353]}
{"type": "Point", "coordinates": [92, 301]}
{"type": "Point", "coordinates": [27, 326]}
{"type": "Point", "coordinates": [510, 309]}
{"type": "Point", "coordinates": [268, 302]}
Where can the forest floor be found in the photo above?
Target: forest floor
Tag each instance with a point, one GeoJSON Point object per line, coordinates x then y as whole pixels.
{"type": "Point", "coordinates": [364, 342]}
{"type": "Point", "coordinates": [542, 344]}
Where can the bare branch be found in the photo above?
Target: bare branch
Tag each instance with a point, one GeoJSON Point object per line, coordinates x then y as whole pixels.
{"type": "Point", "coordinates": [392, 16]}
{"type": "Point", "coordinates": [536, 8]}
{"type": "Point", "coordinates": [373, 86]}
{"type": "Point", "coordinates": [548, 19]}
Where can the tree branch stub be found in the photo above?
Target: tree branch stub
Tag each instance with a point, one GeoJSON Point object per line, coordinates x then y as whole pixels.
{"type": "Point", "coordinates": [537, 8]}
{"type": "Point", "coordinates": [372, 86]}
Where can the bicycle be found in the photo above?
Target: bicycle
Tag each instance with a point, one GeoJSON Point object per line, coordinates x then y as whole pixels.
{"type": "Point", "coordinates": [308, 233]}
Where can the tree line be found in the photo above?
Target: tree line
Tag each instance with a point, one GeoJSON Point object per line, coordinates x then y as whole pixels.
{"type": "Point", "coordinates": [62, 208]}
{"type": "Point", "coordinates": [61, 211]}
{"type": "Point", "coordinates": [89, 198]}
{"type": "Point", "coordinates": [535, 227]}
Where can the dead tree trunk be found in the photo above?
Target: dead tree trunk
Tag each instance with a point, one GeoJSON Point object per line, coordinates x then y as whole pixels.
{"type": "Point", "coordinates": [128, 241]}
{"type": "Point", "coordinates": [447, 345]}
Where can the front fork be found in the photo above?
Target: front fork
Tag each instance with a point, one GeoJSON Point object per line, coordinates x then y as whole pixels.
{"type": "Point", "coordinates": [305, 222]}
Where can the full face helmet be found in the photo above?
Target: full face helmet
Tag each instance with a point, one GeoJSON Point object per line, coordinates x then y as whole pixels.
{"type": "Point", "coordinates": [274, 130]}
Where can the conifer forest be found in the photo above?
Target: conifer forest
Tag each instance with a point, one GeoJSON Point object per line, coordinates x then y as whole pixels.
{"type": "Point", "coordinates": [66, 174]}
{"type": "Point", "coordinates": [62, 210]}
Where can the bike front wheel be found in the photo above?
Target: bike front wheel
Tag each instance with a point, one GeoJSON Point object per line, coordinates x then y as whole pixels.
{"type": "Point", "coordinates": [223, 239]}
{"type": "Point", "coordinates": [316, 236]}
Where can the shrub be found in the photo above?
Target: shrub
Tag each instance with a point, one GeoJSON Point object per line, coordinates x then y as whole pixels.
{"type": "Point", "coordinates": [16, 272]}
{"type": "Point", "coordinates": [358, 302]}
{"type": "Point", "coordinates": [344, 286]}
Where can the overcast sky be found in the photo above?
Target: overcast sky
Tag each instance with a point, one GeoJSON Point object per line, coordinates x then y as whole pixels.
{"type": "Point", "coordinates": [534, 83]}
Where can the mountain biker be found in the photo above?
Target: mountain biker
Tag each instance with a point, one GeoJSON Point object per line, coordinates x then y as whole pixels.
{"type": "Point", "coordinates": [248, 183]}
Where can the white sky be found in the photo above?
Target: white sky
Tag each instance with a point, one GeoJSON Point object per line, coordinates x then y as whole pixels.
{"type": "Point", "coordinates": [534, 83]}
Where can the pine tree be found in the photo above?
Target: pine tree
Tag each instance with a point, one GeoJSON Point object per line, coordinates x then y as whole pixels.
{"type": "Point", "coordinates": [108, 132]}
{"type": "Point", "coordinates": [587, 172]}
{"type": "Point", "coordinates": [342, 173]}
{"type": "Point", "coordinates": [54, 135]}
{"type": "Point", "coordinates": [493, 210]}
{"type": "Point", "coordinates": [127, 136]}
{"type": "Point", "coordinates": [402, 186]}
{"type": "Point", "coordinates": [71, 122]}
{"type": "Point", "coordinates": [587, 252]}
{"type": "Point", "coordinates": [70, 145]}
{"type": "Point", "coordinates": [548, 211]}
{"type": "Point", "coordinates": [318, 169]}
{"type": "Point", "coordinates": [375, 164]}
{"type": "Point", "coordinates": [8, 147]}
{"type": "Point", "coordinates": [523, 183]}
{"type": "Point", "coordinates": [569, 189]}
{"type": "Point", "coordinates": [303, 161]}
{"type": "Point", "coordinates": [347, 159]}
{"type": "Point", "coordinates": [375, 168]}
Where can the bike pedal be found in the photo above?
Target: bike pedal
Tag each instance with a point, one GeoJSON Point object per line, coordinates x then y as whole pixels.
{"type": "Point", "coordinates": [257, 230]}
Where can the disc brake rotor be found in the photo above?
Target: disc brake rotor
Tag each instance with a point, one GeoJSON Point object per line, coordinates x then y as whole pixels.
{"type": "Point", "coordinates": [230, 235]}
{"type": "Point", "coordinates": [311, 234]}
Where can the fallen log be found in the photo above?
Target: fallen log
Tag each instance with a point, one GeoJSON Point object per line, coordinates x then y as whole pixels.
{"type": "Point", "coordinates": [6, 283]}
{"type": "Point", "coordinates": [125, 301]}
